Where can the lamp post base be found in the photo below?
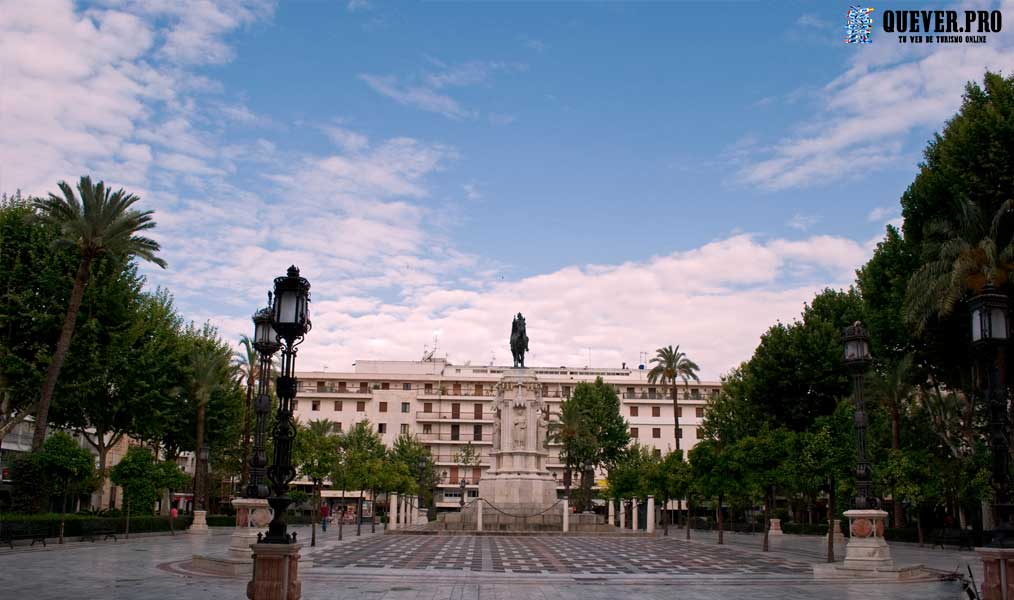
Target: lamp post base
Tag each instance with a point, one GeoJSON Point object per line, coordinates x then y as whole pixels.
{"type": "Point", "coordinates": [275, 573]}
{"type": "Point", "coordinates": [200, 523]}
{"type": "Point", "coordinates": [867, 549]}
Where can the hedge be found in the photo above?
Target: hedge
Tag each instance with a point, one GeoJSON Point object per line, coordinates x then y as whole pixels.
{"type": "Point", "coordinates": [78, 524]}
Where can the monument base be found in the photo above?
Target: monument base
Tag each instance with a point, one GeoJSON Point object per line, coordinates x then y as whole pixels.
{"type": "Point", "coordinates": [518, 493]}
{"type": "Point", "coordinates": [252, 516]}
{"type": "Point", "coordinates": [276, 574]}
{"type": "Point", "coordinates": [200, 523]}
{"type": "Point", "coordinates": [997, 569]}
{"type": "Point", "coordinates": [866, 548]}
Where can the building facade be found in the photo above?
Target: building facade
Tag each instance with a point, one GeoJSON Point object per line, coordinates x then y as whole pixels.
{"type": "Point", "coordinates": [448, 406]}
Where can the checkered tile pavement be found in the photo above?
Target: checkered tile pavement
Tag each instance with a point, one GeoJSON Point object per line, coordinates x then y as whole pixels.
{"type": "Point", "coordinates": [557, 555]}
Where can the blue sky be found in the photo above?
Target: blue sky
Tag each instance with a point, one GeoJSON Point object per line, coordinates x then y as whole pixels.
{"type": "Point", "coordinates": [628, 175]}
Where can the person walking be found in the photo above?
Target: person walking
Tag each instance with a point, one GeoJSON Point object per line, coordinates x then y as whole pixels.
{"type": "Point", "coordinates": [325, 514]}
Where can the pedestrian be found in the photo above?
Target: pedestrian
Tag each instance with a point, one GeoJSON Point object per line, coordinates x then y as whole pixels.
{"type": "Point", "coordinates": [325, 514]}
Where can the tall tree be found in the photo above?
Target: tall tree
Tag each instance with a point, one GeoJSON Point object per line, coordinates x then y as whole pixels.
{"type": "Point", "coordinates": [362, 446]}
{"type": "Point", "coordinates": [671, 366]}
{"type": "Point", "coordinates": [247, 363]}
{"type": "Point", "coordinates": [591, 430]}
{"type": "Point", "coordinates": [315, 456]}
{"type": "Point", "coordinates": [69, 466]}
{"type": "Point", "coordinates": [101, 222]}
{"type": "Point", "coordinates": [211, 371]}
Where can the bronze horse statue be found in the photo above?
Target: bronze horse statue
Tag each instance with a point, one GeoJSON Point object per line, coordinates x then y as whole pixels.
{"type": "Point", "coordinates": [519, 341]}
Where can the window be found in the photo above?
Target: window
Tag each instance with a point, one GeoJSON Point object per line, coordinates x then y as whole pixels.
{"type": "Point", "coordinates": [320, 386]}
{"type": "Point", "coordinates": [427, 428]}
{"type": "Point", "coordinates": [699, 412]}
{"type": "Point", "coordinates": [476, 474]}
{"type": "Point", "coordinates": [338, 427]}
{"type": "Point", "coordinates": [657, 452]}
{"type": "Point", "coordinates": [454, 476]}
{"type": "Point", "coordinates": [633, 432]}
{"type": "Point", "coordinates": [383, 407]}
{"type": "Point", "coordinates": [566, 391]}
{"type": "Point", "coordinates": [477, 432]}
{"type": "Point", "coordinates": [478, 389]}
{"type": "Point", "coordinates": [656, 411]}
{"type": "Point", "coordinates": [405, 407]}
{"type": "Point", "coordinates": [545, 390]}
{"type": "Point", "coordinates": [428, 388]}
{"type": "Point", "coordinates": [404, 428]}
{"type": "Point", "coordinates": [633, 411]}
{"type": "Point", "coordinates": [315, 405]}
{"type": "Point", "coordinates": [337, 405]}
{"type": "Point", "coordinates": [342, 387]}
{"type": "Point", "coordinates": [381, 427]}
{"type": "Point", "coordinates": [698, 433]}
{"type": "Point", "coordinates": [656, 432]}
{"type": "Point", "coordinates": [406, 386]}
{"type": "Point", "coordinates": [455, 432]}
{"type": "Point", "coordinates": [477, 410]}
{"type": "Point", "coordinates": [681, 412]}
{"type": "Point", "coordinates": [695, 393]}
{"type": "Point", "coordinates": [361, 406]}
{"type": "Point", "coordinates": [363, 387]}
{"type": "Point", "coordinates": [455, 411]}
{"type": "Point", "coordinates": [651, 392]}
{"type": "Point", "coordinates": [427, 407]}
{"type": "Point", "coordinates": [630, 393]}
{"type": "Point", "coordinates": [457, 389]}
{"type": "Point", "coordinates": [679, 433]}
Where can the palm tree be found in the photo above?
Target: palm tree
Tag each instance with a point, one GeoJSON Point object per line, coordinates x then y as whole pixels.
{"type": "Point", "coordinates": [245, 361]}
{"type": "Point", "coordinates": [210, 371]}
{"type": "Point", "coordinates": [672, 365]}
{"type": "Point", "coordinates": [100, 223]}
{"type": "Point", "coordinates": [966, 253]}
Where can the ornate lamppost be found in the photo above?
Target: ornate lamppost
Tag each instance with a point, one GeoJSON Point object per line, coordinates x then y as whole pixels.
{"type": "Point", "coordinates": [990, 331]}
{"type": "Point", "coordinates": [587, 480]}
{"type": "Point", "coordinates": [461, 486]}
{"type": "Point", "coordinates": [866, 549]}
{"type": "Point", "coordinates": [857, 359]}
{"type": "Point", "coordinates": [290, 320]}
{"type": "Point", "coordinates": [266, 344]}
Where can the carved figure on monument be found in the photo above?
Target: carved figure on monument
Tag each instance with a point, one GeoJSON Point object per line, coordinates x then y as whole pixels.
{"type": "Point", "coordinates": [496, 431]}
{"type": "Point", "coordinates": [520, 427]}
{"type": "Point", "coordinates": [519, 341]}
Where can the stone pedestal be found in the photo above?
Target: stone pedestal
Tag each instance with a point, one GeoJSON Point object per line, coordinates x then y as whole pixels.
{"type": "Point", "coordinates": [623, 514]}
{"type": "Point", "coordinates": [518, 480]}
{"type": "Point", "coordinates": [252, 517]}
{"type": "Point", "coordinates": [650, 524]}
{"type": "Point", "coordinates": [276, 572]}
{"type": "Point", "coordinates": [633, 514]}
{"type": "Point", "coordinates": [998, 573]}
{"type": "Point", "coordinates": [612, 512]}
{"type": "Point", "coordinates": [839, 537]}
{"type": "Point", "coordinates": [200, 523]}
{"type": "Point", "coordinates": [478, 515]}
{"type": "Point", "coordinates": [392, 513]}
{"type": "Point", "coordinates": [867, 550]}
{"type": "Point", "coordinates": [566, 515]}
{"type": "Point", "coordinates": [776, 527]}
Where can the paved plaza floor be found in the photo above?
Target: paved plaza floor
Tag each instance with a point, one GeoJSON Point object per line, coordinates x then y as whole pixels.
{"type": "Point", "coordinates": [457, 567]}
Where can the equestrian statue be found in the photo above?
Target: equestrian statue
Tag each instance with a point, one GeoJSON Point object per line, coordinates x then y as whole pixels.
{"type": "Point", "coordinates": [519, 341]}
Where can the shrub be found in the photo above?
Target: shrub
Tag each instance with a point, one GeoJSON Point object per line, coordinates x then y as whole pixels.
{"type": "Point", "coordinates": [76, 524]}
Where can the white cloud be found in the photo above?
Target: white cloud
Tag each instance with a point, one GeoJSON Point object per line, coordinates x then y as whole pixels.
{"type": "Point", "coordinates": [427, 92]}
{"type": "Point", "coordinates": [354, 6]}
{"type": "Point", "coordinates": [882, 213]}
{"type": "Point", "coordinates": [347, 139]}
{"type": "Point", "coordinates": [887, 91]}
{"type": "Point", "coordinates": [802, 222]}
{"type": "Point", "coordinates": [702, 299]}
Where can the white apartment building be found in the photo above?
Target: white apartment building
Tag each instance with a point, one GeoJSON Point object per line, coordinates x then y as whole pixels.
{"type": "Point", "coordinates": [447, 406]}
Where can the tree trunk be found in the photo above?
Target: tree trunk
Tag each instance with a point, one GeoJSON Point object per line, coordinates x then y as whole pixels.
{"type": "Point", "coordinates": [688, 517]}
{"type": "Point", "coordinates": [126, 533]}
{"type": "Point", "coordinates": [200, 481]}
{"type": "Point", "coordinates": [831, 510]}
{"type": "Point", "coordinates": [721, 521]}
{"type": "Point", "coordinates": [675, 414]}
{"type": "Point", "coordinates": [359, 515]}
{"type": "Point", "coordinates": [315, 515]}
{"type": "Point", "coordinates": [244, 476]}
{"type": "Point", "coordinates": [63, 511]}
{"type": "Point", "coordinates": [767, 520]}
{"type": "Point", "coordinates": [666, 517]}
{"type": "Point", "coordinates": [918, 527]}
{"type": "Point", "coordinates": [60, 353]}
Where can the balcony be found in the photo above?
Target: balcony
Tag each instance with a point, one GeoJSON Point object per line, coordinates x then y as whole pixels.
{"type": "Point", "coordinates": [450, 459]}
{"type": "Point", "coordinates": [446, 415]}
{"type": "Point", "coordinates": [447, 436]}
{"type": "Point", "coordinates": [359, 392]}
{"type": "Point", "coordinates": [461, 393]}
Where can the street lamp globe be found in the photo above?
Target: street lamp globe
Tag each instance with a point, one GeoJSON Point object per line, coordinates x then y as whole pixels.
{"type": "Point", "coordinates": [989, 317]}
{"type": "Point", "coordinates": [857, 346]}
{"type": "Point", "coordinates": [290, 310]}
{"type": "Point", "coordinates": [265, 338]}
